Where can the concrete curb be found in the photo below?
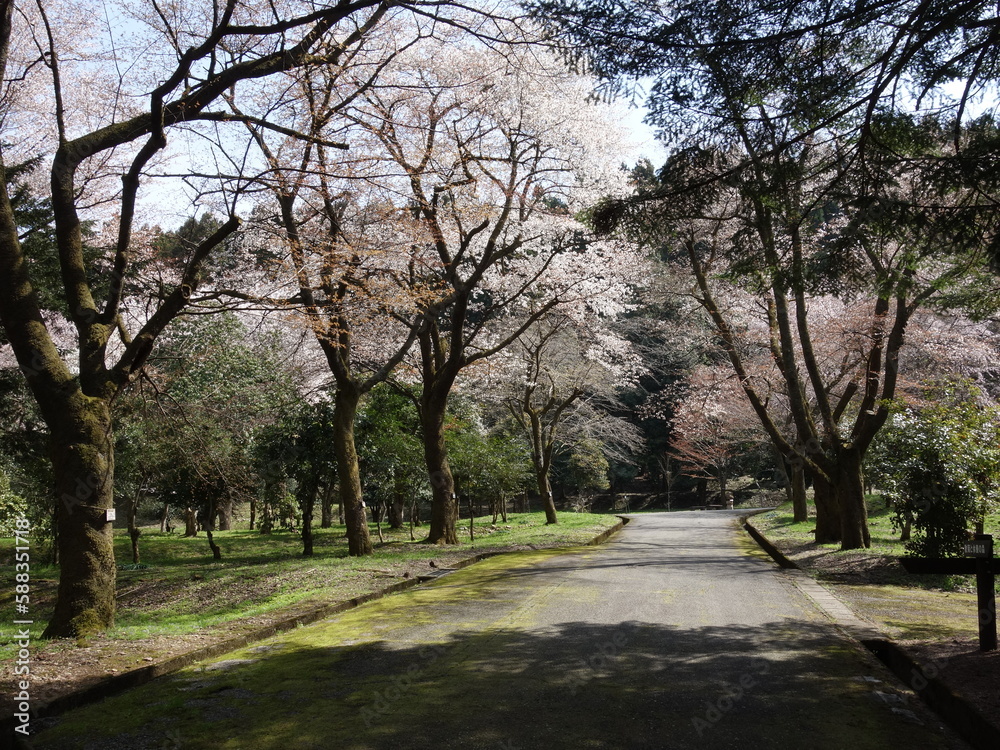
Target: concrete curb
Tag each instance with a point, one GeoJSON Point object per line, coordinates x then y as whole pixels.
{"type": "Point", "coordinates": [765, 544]}
{"type": "Point", "coordinates": [953, 709]}
{"type": "Point", "coordinates": [110, 686]}
{"type": "Point", "coordinates": [958, 713]}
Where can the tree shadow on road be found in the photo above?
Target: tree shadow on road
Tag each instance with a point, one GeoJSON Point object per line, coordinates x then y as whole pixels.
{"type": "Point", "coordinates": [575, 685]}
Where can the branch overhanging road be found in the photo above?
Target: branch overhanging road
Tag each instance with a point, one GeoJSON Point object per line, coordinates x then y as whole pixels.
{"type": "Point", "coordinates": [669, 636]}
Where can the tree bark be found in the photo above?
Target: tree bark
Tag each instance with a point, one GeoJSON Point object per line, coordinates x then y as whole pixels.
{"type": "Point", "coordinates": [828, 524]}
{"type": "Point", "coordinates": [134, 531]}
{"type": "Point", "coordinates": [444, 509]}
{"type": "Point", "coordinates": [396, 511]}
{"type": "Point", "coordinates": [348, 473]}
{"type": "Point", "coordinates": [797, 484]}
{"type": "Point", "coordinates": [541, 456]}
{"type": "Point", "coordinates": [326, 511]}
{"type": "Point", "coordinates": [84, 477]}
{"type": "Point", "coordinates": [224, 513]}
{"type": "Point", "coordinates": [545, 491]}
{"type": "Point", "coordinates": [851, 494]}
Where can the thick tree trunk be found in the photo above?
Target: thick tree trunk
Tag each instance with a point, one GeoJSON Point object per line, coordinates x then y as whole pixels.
{"type": "Point", "coordinates": [444, 508]}
{"type": "Point", "coordinates": [84, 476]}
{"type": "Point", "coordinates": [348, 473]}
{"type": "Point", "coordinates": [851, 494]}
{"type": "Point", "coordinates": [165, 518]}
{"type": "Point", "coordinates": [828, 524]}
{"type": "Point", "coordinates": [190, 522]}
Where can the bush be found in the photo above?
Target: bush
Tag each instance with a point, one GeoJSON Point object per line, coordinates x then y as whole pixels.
{"type": "Point", "coordinates": [12, 507]}
{"type": "Point", "coordinates": [939, 466]}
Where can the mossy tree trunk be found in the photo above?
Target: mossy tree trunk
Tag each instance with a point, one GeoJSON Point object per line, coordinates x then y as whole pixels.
{"type": "Point", "coordinates": [84, 481]}
{"type": "Point", "coordinates": [444, 507]}
{"type": "Point", "coordinates": [348, 471]}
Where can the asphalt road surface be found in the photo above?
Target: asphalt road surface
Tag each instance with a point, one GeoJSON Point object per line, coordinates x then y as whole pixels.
{"type": "Point", "coordinates": [669, 636]}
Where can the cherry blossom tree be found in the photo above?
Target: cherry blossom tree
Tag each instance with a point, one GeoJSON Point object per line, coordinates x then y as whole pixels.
{"type": "Point", "coordinates": [713, 427]}
{"type": "Point", "coordinates": [488, 155]}
{"type": "Point", "coordinates": [792, 232]}
{"type": "Point", "coordinates": [560, 382]}
{"type": "Point", "coordinates": [163, 71]}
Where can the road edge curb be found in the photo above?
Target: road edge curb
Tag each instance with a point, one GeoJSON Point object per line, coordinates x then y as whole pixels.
{"type": "Point", "coordinates": [134, 678]}
{"type": "Point", "coordinates": [954, 710]}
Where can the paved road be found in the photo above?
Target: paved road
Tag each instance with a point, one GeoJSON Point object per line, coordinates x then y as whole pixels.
{"type": "Point", "coordinates": [669, 636]}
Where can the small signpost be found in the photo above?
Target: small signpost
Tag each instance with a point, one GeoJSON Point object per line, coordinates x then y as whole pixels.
{"type": "Point", "coordinates": [979, 560]}
{"type": "Point", "coordinates": [981, 549]}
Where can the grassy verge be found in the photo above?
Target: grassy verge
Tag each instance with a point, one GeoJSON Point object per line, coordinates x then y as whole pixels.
{"type": "Point", "coordinates": [179, 589]}
{"type": "Point", "coordinates": [874, 584]}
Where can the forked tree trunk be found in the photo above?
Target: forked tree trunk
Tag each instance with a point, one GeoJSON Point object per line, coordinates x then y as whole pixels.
{"type": "Point", "coordinates": [541, 457]}
{"type": "Point", "coordinates": [348, 473]}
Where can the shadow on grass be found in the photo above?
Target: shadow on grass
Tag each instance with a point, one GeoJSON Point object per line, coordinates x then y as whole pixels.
{"type": "Point", "coordinates": [573, 685]}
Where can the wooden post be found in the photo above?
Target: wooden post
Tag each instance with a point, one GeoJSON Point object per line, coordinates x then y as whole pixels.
{"type": "Point", "coordinates": [985, 593]}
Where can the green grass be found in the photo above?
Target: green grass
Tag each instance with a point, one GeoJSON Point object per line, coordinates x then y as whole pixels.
{"type": "Point", "coordinates": [884, 538]}
{"type": "Point", "coordinates": [917, 607]}
{"type": "Point", "coordinates": [182, 589]}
